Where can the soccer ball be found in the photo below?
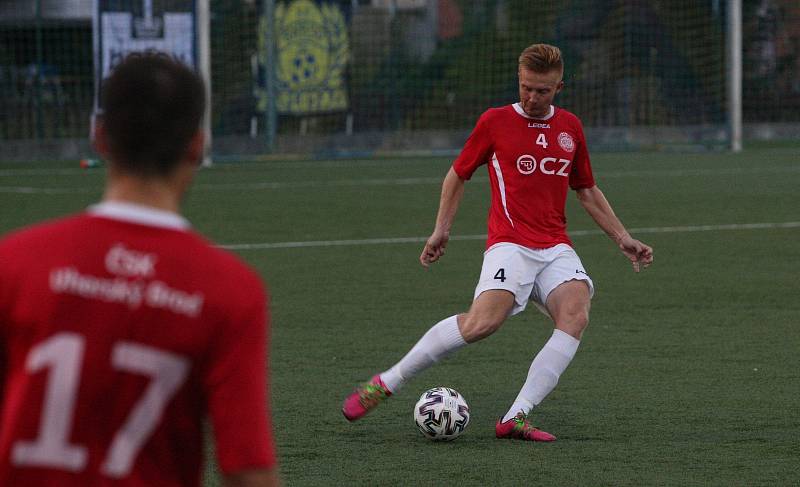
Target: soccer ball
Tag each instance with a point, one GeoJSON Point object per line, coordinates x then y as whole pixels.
{"type": "Point", "coordinates": [441, 414]}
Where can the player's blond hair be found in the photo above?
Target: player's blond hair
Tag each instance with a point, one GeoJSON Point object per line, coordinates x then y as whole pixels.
{"type": "Point", "coordinates": [541, 58]}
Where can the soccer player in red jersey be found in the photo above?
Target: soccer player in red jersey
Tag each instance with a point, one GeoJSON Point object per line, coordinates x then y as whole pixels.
{"type": "Point", "coordinates": [534, 151]}
{"type": "Point", "coordinates": [121, 329]}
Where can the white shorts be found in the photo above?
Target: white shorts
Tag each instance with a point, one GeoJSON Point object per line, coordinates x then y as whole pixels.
{"type": "Point", "coordinates": [530, 274]}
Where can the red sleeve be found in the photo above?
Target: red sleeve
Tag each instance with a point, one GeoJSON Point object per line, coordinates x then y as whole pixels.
{"type": "Point", "coordinates": [476, 151]}
{"type": "Point", "coordinates": [5, 301]}
{"type": "Point", "coordinates": [237, 386]}
{"type": "Point", "coordinates": [581, 174]}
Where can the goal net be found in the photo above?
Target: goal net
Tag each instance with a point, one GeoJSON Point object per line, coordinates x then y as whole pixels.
{"type": "Point", "coordinates": [369, 77]}
{"type": "Point", "coordinates": [416, 75]}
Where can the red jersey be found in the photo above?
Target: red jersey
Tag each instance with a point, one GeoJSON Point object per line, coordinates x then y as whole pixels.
{"type": "Point", "coordinates": [121, 330]}
{"type": "Point", "coordinates": [530, 162]}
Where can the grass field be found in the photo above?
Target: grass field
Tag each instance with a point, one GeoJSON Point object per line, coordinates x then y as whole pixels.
{"type": "Point", "coordinates": [688, 374]}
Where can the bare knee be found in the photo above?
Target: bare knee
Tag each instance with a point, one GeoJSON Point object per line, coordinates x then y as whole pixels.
{"type": "Point", "coordinates": [476, 327]}
{"type": "Point", "coordinates": [487, 313]}
{"type": "Point", "coordinates": [568, 305]}
{"type": "Point", "coordinates": [573, 321]}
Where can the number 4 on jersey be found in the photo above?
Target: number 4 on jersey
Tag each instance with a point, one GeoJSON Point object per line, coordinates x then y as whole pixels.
{"type": "Point", "coordinates": [541, 140]}
{"type": "Point", "coordinates": [501, 275]}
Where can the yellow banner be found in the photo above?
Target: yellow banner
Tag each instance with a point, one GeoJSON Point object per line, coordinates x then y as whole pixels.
{"type": "Point", "coordinates": [312, 51]}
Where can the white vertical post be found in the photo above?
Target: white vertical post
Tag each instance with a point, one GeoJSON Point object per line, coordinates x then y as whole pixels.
{"type": "Point", "coordinates": [203, 19]}
{"type": "Point", "coordinates": [734, 68]}
{"type": "Point", "coordinates": [98, 74]}
{"type": "Point", "coordinates": [148, 13]}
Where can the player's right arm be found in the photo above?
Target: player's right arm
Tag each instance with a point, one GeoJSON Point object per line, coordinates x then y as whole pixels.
{"type": "Point", "coordinates": [452, 191]}
{"type": "Point", "coordinates": [475, 153]}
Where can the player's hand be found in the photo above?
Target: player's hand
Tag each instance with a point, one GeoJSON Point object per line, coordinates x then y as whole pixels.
{"type": "Point", "coordinates": [434, 248]}
{"type": "Point", "coordinates": [640, 255]}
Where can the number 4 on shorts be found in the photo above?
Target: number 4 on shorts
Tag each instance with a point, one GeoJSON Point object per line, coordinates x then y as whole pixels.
{"type": "Point", "coordinates": [501, 274]}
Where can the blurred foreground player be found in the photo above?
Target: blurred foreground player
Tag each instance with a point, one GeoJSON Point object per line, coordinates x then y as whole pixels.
{"type": "Point", "coordinates": [121, 329]}
{"type": "Point", "coordinates": [534, 151]}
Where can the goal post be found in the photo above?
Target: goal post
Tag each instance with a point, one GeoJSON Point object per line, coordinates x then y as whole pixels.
{"type": "Point", "coordinates": [176, 27]}
{"type": "Point", "coordinates": [203, 32]}
{"type": "Point", "coordinates": [734, 69]}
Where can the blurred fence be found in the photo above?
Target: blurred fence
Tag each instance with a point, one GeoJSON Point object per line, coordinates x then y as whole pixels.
{"type": "Point", "coordinates": [360, 77]}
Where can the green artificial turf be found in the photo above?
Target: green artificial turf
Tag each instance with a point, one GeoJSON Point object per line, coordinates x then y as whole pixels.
{"type": "Point", "coordinates": [686, 376]}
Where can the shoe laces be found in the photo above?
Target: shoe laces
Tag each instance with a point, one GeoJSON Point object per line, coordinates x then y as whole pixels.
{"type": "Point", "coordinates": [522, 424]}
{"type": "Point", "coordinates": [371, 394]}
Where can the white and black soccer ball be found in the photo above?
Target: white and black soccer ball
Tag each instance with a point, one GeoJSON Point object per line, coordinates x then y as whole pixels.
{"type": "Point", "coordinates": [441, 414]}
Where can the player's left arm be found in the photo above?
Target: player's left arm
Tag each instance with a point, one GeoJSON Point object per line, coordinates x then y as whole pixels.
{"type": "Point", "coordinates": [595, 203]}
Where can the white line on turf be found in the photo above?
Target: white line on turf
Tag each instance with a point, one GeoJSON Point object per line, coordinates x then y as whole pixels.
{"type": "Point", "coordinates": [32, 190]}
{"type": "Point", "coordinates": [40, 171]}
{"type": "Point", "coordinates": [244, 166]}
{"type": "Point", "coordinates": [255, 186]}
{"type": "Point", "coordinates": [267, 185]}
{"type": "Point", "coordinates": [319, 183]}
{"type": "Point", "coordinates": [575, 233]}
{"type": "Point", "coordinates": [435, 180]}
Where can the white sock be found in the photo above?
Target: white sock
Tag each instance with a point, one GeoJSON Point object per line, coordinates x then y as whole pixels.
{"type": "Point", "coordinates": [442, 339]}
{"type": "Point", "coordinates": [547, 367]}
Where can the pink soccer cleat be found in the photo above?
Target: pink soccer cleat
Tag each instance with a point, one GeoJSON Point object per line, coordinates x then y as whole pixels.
{"type": "Point", "coordinates": [520, 428]}
{"type": "Point", "coordinates": [365, 398]}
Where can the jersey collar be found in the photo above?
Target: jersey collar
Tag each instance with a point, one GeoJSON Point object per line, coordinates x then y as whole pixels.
{"type": "Point", "coordinates": [144, 215]}
{"type": "Point", "coordinates": [518, 108]}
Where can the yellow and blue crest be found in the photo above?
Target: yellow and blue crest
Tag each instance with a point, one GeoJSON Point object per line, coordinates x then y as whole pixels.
{"type": "Point", "coordinates": [312, 51]}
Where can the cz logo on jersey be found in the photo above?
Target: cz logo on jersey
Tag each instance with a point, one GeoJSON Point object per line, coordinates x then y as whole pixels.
{"type": "Point", "coordinates": [527, 164]}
